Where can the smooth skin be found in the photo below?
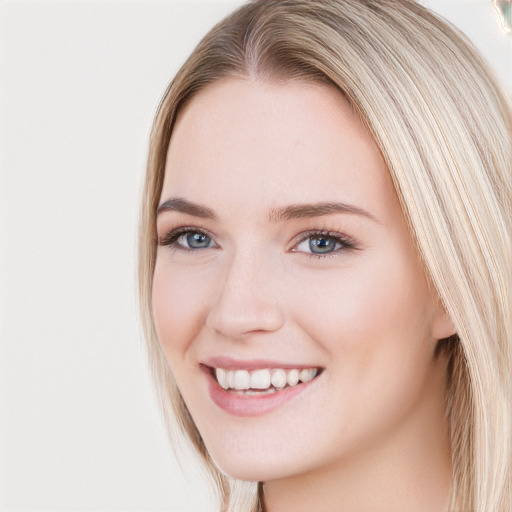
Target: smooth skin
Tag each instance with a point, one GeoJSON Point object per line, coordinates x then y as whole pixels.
{"type": "Point", "coordinates": [342, 290]}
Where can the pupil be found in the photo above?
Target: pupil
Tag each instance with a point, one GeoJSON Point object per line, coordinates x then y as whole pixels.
{"type": "Point", "coordinates": [321, 245]}
{"type": "Point", "coordinates": [197, 240]}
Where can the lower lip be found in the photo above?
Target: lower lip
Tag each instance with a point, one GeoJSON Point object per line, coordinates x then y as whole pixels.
{"type": "Point", "coordinates": [252, 405]}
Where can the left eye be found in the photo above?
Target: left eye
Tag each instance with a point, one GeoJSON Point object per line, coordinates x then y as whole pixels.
{"type": "Point", "coordinates": [320, 244]}
{"type": "Point", "coordinates": [187, 240]}
{"type": "Point", "coordinates": [194, 240]}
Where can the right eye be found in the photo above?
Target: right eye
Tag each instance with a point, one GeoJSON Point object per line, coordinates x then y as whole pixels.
{"type": "Point", "coordinates": [189, 240]}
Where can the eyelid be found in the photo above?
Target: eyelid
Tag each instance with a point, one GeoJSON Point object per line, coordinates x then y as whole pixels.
{"type": "Point", "coordinates": [347, 242]}
{"type": "Point", "coordinates": [169, 239]}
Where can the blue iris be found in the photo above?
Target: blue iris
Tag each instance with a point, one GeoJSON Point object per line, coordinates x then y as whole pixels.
{"type": "Point", "coordinates": [198, 240]}
{"type": "Point", "coordinates": [322, 244]}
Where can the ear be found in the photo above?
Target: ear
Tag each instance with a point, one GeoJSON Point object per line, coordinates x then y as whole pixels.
{"type": "Point", "coordinates": [442, 325]}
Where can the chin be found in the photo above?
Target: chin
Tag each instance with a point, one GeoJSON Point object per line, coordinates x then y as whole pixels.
{"type": "Point", "coordinates": [260, 472]}
{"type": "Point", "coordinates": [260, 466]}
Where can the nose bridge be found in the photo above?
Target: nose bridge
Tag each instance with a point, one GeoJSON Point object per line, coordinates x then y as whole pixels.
{"type": "Point", "coordinates": [247, 300]}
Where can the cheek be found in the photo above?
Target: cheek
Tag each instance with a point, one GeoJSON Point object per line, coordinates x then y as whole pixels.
{"type": "Point", "coordinates": [372, 323]}
{"type": "Point", "coordinates": [364, 302]}
{"type": "Point", "coordinates": [178, 308]}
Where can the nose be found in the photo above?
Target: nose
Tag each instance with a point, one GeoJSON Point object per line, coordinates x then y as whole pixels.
{"type": "Point", "coordinates": [247, 301]}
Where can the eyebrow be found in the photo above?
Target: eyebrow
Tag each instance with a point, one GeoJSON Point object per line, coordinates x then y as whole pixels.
{"type": "Point", "coordinates": [302, 211]}
{"type": "Point", "coordinates": [176, 204]}
{"type": "Point", "coordinates": [294, 211]}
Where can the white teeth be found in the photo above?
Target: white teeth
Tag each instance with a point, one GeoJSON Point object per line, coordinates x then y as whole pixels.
{"type": "Point", "coordinates": [260, 379]}
{"type": "Point", "coordinates": [278, 379]}
{"type": "Point", "coordinates": [263, 380]}
{"type": "Point", "coordinates": [241, 380]}
{"type": "Point", "coordinates": [230, 379]}
{"type": "Point", "coordinates": [307, 374]}
{"type": "Point", "coordinates": [221, 378]}
{"type": "Point", "coordinates": [293, 377]}
{"type": "Point", "coordinates": [268, 391]}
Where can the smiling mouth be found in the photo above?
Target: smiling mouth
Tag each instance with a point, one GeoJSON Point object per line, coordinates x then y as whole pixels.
{"type": "Point", "coordinates": [264, 380]}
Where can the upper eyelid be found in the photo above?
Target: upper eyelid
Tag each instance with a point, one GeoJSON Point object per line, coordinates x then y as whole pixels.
{"type": "Point", "coordinates": [346, 240]}
{"type": "Point", "coordinates": [181, 230]}
{"type": "Point", "coordinates": [320, 232]}
{"type": "Point", "coordinates": [165, 230]}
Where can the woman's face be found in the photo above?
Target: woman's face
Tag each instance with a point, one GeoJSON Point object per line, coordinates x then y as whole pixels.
{"type": "Point", "coordinates": [283, 253]}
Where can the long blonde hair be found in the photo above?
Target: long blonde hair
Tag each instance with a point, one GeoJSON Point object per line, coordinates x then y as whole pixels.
{"type": "Point", "coordinates": [444, 128]}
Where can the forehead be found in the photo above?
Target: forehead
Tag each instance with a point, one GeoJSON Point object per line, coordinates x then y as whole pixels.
{"type": "Point", "coordinates": [255, 142]}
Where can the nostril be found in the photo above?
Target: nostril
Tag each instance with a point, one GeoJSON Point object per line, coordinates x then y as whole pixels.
{"type": "Point", "coordinates": [237, 321]}
{"type": "Point", "coordinates": [246, 298]}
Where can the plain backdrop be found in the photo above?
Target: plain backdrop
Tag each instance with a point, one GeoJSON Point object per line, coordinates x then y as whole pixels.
{"type": "Point", "coordinates": [79, 84]}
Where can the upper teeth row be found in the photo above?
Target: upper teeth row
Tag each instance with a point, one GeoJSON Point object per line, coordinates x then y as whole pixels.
{"type": "Point", "coordinates": [263, 378]}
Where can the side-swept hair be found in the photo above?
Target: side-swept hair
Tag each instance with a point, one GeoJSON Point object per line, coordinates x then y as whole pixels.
{"type": "Point", "coordinates": [444, 128]}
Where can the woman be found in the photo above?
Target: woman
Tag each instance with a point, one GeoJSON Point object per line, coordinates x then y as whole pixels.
{"type": "Point", "coordinates": [325, 261]}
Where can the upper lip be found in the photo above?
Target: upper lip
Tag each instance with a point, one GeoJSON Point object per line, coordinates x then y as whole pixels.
{"type": "Point", "coordinates": [228, 363]}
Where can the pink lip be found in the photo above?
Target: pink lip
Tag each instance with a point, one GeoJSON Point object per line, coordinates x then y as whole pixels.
{"type": "Point", "coordinates": [251, 405]}
{"type": "Point", "coordinates": [229, 363]}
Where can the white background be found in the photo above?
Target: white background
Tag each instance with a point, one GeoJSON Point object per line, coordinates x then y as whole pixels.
{"type": "Point", "coordinates": [79, 84]}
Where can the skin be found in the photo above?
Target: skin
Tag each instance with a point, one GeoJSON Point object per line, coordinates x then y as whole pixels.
{"type": "Point", "coordinates": [369, 434]}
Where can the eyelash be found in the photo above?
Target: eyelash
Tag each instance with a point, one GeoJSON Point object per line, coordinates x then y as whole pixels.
{"type": "Point", "coordinates": [346, 243]}
{"type": "Point", "coordinates": [171, 238]}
